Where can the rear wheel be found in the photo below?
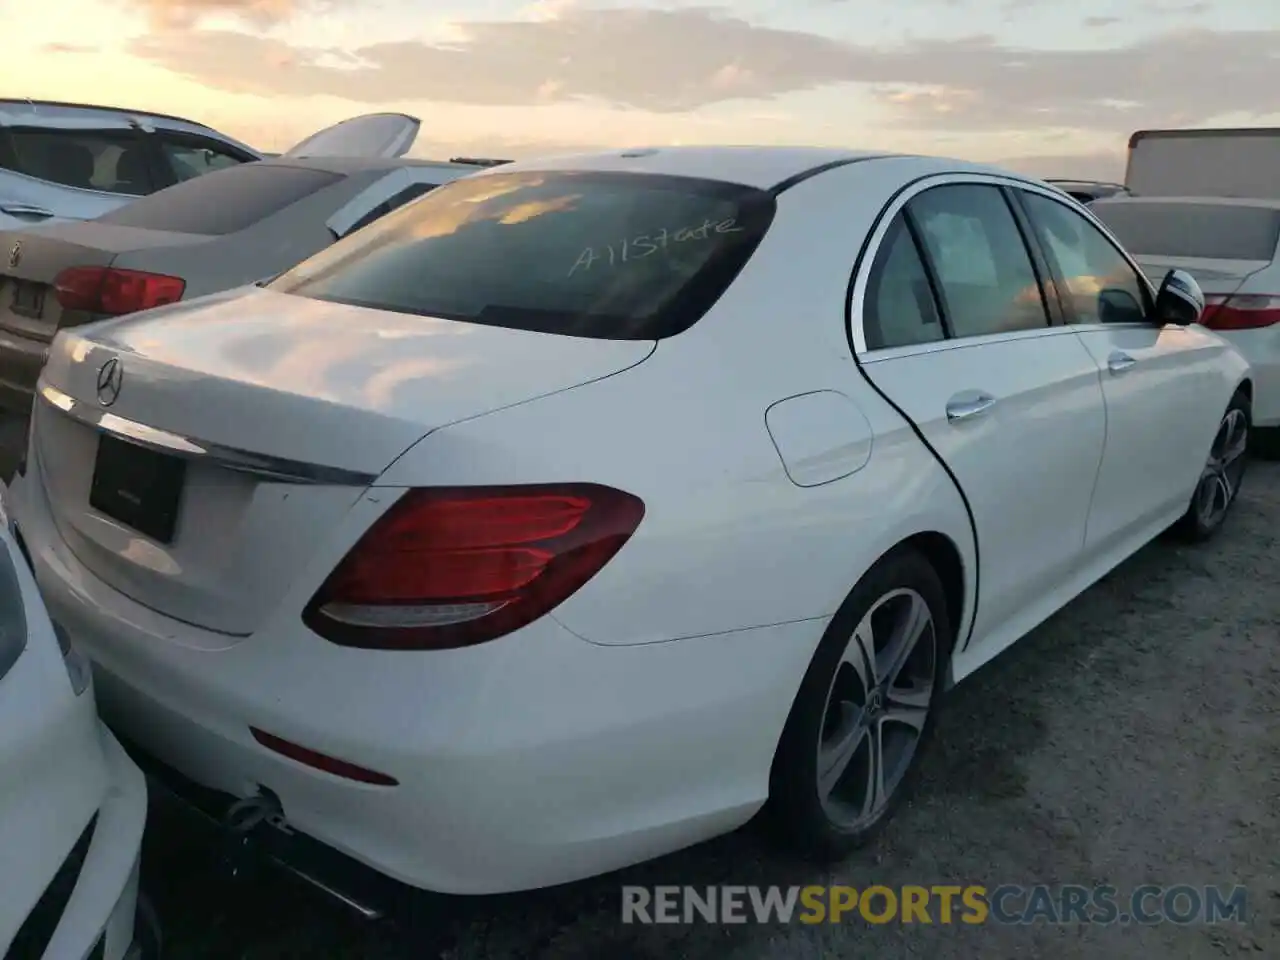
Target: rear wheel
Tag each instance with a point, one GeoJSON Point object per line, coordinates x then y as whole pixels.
{"type": "Point", "coordinates": [864, 712]}
{"type": "Point", "coordinates": [1223, 473]}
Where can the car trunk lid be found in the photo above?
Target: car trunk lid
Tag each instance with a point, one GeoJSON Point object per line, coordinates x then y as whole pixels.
{"type": "Point", "coordinates": [284, 410]}
{"type": "Point", "coordinates": [1231, 301]}
{"type": "Point", "coordinates": [1216, 277]}
{"type": "Point", "coordinates": [31, 260]}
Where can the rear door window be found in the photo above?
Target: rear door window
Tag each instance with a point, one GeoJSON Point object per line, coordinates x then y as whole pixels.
{"type": "Point", "coordinates": [224, 202]}
{"type": "Point", "coordinates": [606, 255]}
{"type": "Point", "coordinates": [110, 161]}
{"type": "Point", "coordinates": [899, 309]}
{"type": "Point", "coordinates": [982, 265]}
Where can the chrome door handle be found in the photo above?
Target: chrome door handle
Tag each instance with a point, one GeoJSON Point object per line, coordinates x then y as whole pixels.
{"type": "Point", "coordinates": [25, 210]}
{"type": "Point", "coordinates": [1119, 362]}
{"type": "Point", "coordinates": [965, 405]}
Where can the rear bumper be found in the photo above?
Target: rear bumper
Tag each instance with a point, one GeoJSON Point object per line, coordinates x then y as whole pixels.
{"type": "Point", "coordinates": [335, 875]}
{"type": "Point", "coordinates": [527, 762]}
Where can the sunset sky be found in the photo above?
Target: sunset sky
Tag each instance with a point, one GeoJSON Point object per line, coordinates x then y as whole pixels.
{"type": "Point", "coordinates": [1051, 87]}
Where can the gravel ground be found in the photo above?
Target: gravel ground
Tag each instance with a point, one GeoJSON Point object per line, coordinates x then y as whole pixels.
{"type": "Point", "coordinates": [1134, 738]}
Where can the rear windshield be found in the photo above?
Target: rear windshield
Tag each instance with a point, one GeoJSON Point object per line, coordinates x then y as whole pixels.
{"type": "Point", "coordinates": [613, 256]}
{"type": "Point", "coordinates": [1203, 230]}
{"type": "Point", "coordinates": [225, 201]}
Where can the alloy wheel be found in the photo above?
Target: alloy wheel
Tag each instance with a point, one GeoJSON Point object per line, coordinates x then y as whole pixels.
{"type": "Point", "coordinates": [1220, 480]}
{"type": "Point", "coordinates": [876, 709]}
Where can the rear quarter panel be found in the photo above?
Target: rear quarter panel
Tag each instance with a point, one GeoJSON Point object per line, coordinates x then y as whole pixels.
{"type": "Point", "coordinates": [728, 541]}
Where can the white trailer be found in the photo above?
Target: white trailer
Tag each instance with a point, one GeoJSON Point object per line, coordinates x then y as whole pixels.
{"type": "Point", "coordinates": [1239, 162]}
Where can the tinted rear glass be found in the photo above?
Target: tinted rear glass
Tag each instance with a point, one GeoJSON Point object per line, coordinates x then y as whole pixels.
{"type": "Point", "coordinates": [1203, 230]}
{"type": "Point", "coordinates": [225, 201]}
{"type": "Point", "coordinates": [614, 256]}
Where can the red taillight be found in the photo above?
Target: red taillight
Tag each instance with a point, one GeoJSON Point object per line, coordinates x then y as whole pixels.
{"type": "Point", "coordinates": [452, 567]}
{"type": "Point", "coordinates": [322, 761]}
{"type": "Point", "coordinates": [115, 292]}
{"type": "Point", "coordinates": [1241, 312]}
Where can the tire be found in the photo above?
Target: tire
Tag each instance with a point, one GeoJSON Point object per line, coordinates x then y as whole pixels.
{"type": "Point", "coordinates": [1224, 470]}
{"type": "Point", "coordinates": [833, 702]}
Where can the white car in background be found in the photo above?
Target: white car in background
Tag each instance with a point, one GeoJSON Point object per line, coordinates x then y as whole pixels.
{"type": "Point", "coordinates": [583, 508]}
{"type": "Point", "coordinates": [72, 804]}
{"type": "Point", "coordinates": [66, 161]}
{"type": "Point", "coordinates": [1232, 247]}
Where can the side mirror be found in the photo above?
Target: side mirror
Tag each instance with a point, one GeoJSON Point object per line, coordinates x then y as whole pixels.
{"type": "Point", "coordinates": [1179, 301]}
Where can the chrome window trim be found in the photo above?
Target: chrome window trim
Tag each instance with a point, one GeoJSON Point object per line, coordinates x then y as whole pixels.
{"type": "Point", "coordinates": [891, 210]}
{"type": "Point", "coordinates": [264, 466]}
{"type": "Point", "coordinates": [962, 343]}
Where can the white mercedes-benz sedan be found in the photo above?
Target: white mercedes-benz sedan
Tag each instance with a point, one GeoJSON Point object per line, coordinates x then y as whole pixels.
{"type": "Point", "coordinates": [587, 506]}
{"type": "Point", "coordinates": [72, 803]}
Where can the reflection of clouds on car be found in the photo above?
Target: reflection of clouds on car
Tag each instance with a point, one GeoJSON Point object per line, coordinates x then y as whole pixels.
{"type": "Point", "coordinates": [524, 212]}
{"type": "Point", "coordinates": [1089, 267]}
{"type": "Point", "coordinates": [572, 250]}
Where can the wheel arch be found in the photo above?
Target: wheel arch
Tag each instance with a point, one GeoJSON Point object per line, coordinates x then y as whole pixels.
{"type": "Point", "coordinates": [944, 556]}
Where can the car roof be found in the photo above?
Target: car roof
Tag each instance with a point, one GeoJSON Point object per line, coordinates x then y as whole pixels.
{"type": "Point", "coordinates": [764, 167]}
{"type": "Point", "coordinates": [29, 112]}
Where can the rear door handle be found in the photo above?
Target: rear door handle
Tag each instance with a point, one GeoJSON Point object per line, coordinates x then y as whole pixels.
{"type": "Point", "coordinates": [969, 404]}
{"type": "Point", "coordinates": [25, 210]}
{"type": "Point", "coordinates": [1119, 362]}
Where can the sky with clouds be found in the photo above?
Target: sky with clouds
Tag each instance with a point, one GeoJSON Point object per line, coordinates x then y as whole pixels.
{"type": "Point", "coordinates": [1050, 87]}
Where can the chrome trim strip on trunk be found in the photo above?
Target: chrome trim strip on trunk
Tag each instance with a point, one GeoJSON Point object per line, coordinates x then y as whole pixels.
{"type": "Point", "coordinates": [276, 469]}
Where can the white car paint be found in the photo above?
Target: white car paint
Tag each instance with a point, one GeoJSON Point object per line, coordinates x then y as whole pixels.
{"type": "Point", "coordinates": [370, 135]}
{"type": "Point", "coordinates": [777, 459]}
{"type": "Point", "coordinates": [1227, 281]}
{"type": "Point", "coordinates": [60, 767]}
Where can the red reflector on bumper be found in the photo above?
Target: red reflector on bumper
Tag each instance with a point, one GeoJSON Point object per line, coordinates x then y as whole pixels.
{"type": "Point", "coordinates": [319, 761]}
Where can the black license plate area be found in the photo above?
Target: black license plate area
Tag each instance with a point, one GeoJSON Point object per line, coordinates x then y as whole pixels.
{"type": "Point", "coordinates": [137, 486]}
{"type": "Point", "coordinates": [27, 299]}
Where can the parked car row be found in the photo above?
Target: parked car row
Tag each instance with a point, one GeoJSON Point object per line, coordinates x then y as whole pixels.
{"type": "Point", "coordinates": [68, 161]}
{"type": "Point", "coordinates": [221, 230]}
{"type": "Point", "coordinates": [584, 507]}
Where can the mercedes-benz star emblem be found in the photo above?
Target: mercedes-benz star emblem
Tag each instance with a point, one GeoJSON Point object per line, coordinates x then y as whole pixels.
{"type": "Point", "coordinates": [875, 705]}
{"type": "Point", "coordinates": [15, 254]}
{"type": "Point", "coordinates": [110, 377]}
